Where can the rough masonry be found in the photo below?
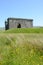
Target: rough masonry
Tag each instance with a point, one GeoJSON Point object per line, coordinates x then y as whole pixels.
{"type": "Point", "coordinates": [18, 23]}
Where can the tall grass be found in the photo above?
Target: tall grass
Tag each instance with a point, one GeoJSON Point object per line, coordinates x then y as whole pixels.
{"type": "Point", "coordinates": [21, 49]}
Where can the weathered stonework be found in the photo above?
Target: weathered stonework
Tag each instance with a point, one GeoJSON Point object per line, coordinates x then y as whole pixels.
{"type": "Point", "coordinates": [18, 23]}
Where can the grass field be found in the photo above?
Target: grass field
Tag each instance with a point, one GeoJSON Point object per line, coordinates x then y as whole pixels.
{"type": "Point", "coordinates": [21, 48]}
{"type": "Point", "coordinates": [25, 30]}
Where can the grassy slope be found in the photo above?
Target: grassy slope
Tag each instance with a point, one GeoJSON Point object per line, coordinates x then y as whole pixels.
{"type": "Point", "coordinates": [21, 48]}
{"type": "Point", "coordinates": [25, 30]}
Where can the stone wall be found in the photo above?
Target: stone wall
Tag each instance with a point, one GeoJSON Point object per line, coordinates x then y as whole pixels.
{"type": "Point", "coordinates": [13, 23]}
{"type": "Point", "coordinates": [22, 23]}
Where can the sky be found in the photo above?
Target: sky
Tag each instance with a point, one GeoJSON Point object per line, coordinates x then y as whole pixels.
{"type": "Point", "coordinates": [30, 9]}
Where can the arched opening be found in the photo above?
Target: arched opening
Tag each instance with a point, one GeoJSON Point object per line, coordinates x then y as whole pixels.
{"type": "Point", "coordinates": [19, 26]}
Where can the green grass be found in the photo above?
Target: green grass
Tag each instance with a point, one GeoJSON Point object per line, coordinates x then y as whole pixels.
{"type": "Point", "coordinates": [21, 48]}
{"type": "Point", "coordinates": [25, 30]}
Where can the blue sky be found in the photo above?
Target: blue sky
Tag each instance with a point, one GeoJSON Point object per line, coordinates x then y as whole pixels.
{"type": "Point", "coordinates": [31, 9]}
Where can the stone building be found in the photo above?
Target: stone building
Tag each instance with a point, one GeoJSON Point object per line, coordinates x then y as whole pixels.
{"type": "Point", "coordinates": [18, 23]}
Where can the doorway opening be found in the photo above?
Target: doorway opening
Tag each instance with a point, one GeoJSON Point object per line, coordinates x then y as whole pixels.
{"type": "Point", "coordinates": [19, 26]}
